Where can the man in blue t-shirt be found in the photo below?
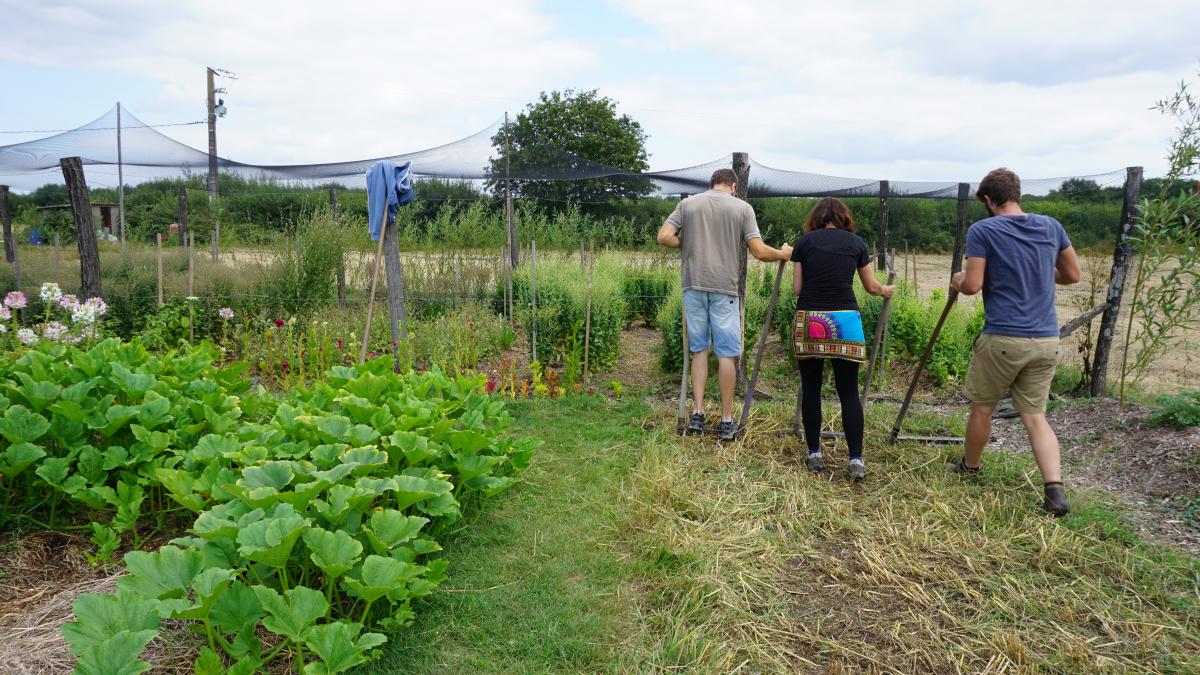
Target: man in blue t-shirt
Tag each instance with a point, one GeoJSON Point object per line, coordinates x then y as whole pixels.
{"type": "Point", "coordinates": [1015, 258]}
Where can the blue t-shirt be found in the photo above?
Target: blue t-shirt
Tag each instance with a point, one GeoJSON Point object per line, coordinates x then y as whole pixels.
{"type": "Point", "coordinates": [1018, 281]}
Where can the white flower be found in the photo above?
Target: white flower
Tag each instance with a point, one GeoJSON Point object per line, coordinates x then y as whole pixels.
{"type": "Point", "coordinates": [3, 328]}
{"type": "Point", "coordinates": [72, 339]}
{"type": "Point", "coordinates": [83, 314]}
{"type": "Point", "coordinates": [5, 313]}
{"type": "Point", "coordinates": [54, 331]}
{"type": "Point", "coordinates": [192, 298]}
{"type": "Point", "coordinates": [225, 313]}
{"type": "Point", "coordinates": [50, 292]}
{"type": "Point", "coordinates": [98, 305]}
{"type": "Point", "coordinates": [27, 336]}
{"type": "Point", "coordinates": [69, 301]}
{"type": "Point", "coordinates": [89, 332]}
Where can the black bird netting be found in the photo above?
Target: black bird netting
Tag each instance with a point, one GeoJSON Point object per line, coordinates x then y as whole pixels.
{"type": "Point", "coordinates": [148, 154]}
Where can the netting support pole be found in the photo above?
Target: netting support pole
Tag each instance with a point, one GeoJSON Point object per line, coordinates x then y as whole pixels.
{"type": "Point", "coordinates": [58, 259]}
{"type": "Point", "coordinates": [882, 247]}
{"type": "Point", "coordinates": [120, 183]}
{"type": "Point", "coordinates": [960, 231]}
{"type": "Point", "coordinates": [341, 263]}
{"type": "Point", "coordinates": [587, 315]}
{"type": "Point", "coordinates": [510, 215]}
{"type": "Point", "coordinates": [1116, 281]}
{"type": "Point", "coordinates": [6, 223]}
{"type": "Point", "coordinates": [85, 234]}
{"type": "Point", "coordinates": [741, 169]}
{"type": "Point", "coordinates": [182, 199]}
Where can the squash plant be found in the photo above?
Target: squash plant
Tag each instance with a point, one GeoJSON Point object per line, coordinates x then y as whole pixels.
{"type": "Point", "coordinates": [317, 524]}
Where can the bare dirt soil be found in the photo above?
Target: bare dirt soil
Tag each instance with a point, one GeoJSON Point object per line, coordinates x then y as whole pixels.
{"type": "Point", "coordinates": [1153, 471]}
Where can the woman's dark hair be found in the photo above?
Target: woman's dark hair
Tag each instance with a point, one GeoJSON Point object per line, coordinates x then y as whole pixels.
{"type": "Point", "coordinates": [830, 211]}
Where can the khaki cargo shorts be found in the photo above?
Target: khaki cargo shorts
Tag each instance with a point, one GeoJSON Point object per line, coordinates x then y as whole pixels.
{"type": "Point", "coordinates": [1025, 366]}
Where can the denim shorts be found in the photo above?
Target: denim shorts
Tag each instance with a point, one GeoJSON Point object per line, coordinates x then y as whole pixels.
{"type": "Point", "coordinates": [713, 319]}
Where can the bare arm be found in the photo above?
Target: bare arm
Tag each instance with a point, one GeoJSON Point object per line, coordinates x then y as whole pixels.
{"type": "Point", "coordinates": [866, 274]}
{"type": "Point", "coordinates": [668, 235]}
{"type": "Point", "coordinates": [797, 279]}
{"type": "Point", "coordinates": [1066, 268]}
{"type": "Point", "coordinates": [970, 280]}
{"type": "Point", "coordinates": [765, 253]}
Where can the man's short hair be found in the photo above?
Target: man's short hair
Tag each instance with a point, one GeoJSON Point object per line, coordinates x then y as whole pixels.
{"type": "Point", "coordinates": [723, 177]}
{"type": "Point", "coordinates": [1001, 185]}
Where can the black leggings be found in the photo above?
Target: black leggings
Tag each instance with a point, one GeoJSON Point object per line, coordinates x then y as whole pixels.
{"type": "Point", "coordinates": [845, 379]}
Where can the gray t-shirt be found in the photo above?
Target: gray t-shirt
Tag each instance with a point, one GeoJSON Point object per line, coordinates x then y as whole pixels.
{"type": "Point", "coordinates": [713, 227]}
{"type": "Point", "coordinates": [1018, 281]}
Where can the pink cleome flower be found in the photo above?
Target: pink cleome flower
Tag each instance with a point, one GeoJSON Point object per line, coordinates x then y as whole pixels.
{"type": "Point", "coordinates": [15, 300]}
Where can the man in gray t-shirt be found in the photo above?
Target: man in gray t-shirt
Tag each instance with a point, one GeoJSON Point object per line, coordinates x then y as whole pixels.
{"type": "Point", "coordinates": [711, 228]}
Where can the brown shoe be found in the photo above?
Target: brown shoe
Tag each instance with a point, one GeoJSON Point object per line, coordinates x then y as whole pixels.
{"type": "Point", "coordinates": [1056, 499]}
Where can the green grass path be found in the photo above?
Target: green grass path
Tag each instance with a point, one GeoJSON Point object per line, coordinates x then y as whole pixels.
{"type": "Point", "coordinates": [534, 584]}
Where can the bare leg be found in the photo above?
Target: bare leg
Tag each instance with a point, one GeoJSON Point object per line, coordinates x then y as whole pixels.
{"type": "Point", "coordinates": [727, 378]}
{"type": "Point", "coordinates": [979, 430]}
{"type": "Point", "coordinates": [1045, 446]}
{"type": "Point", "coordinates": [699, 379]}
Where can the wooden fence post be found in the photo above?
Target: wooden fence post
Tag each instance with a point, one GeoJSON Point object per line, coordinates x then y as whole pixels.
{"type": "Point", "coordinates": [884, 192]}
{"type": "Point", "coordinates": [58, 259]}
{"type": "Point", "coordinates": [741, 169]}
{"type": "Point", "coordinates": [85, 234]}
{"type": "Point", "coordinates": [182, 199]}
{"type": "Point", "coordinates": [158, 254]}
{"type": "Point", "coordinates": [1116, 281]}
{"type": "Point", "coordinates": [533, 292]}
{"type": "Point", "coordinates": [6, 223]}
{"type": "Point", "coordinates": [16, 264]}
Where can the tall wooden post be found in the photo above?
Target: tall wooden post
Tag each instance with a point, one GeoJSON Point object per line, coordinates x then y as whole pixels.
{"type": "Point", "coordinates": [741, 169]}
{"type": "Point", "coordinates": [394, 277]}
{"type": "Point", "coordinates": [85, 234]}
{"type": "Point", "coordinates": [1116, 281]}
{"type": "Point", "coordinates": [6, 223]}
{"type": "Point", "coordinates": [587, 315]}
{"type": "Point", "coordinates": [884, 193]}
{"type": "Point", "coordinates": [533, 292]}
{"type": "Point", "coordinates": [182, 204]}
{"type": "Point", "coordinates": [509, 215]}
{"type": "Point", "coordinates": [191, 249]}
{"type": "Point", "coordinates": [341, 263]}
{"type": "Point", "coordinates": [960, 231]}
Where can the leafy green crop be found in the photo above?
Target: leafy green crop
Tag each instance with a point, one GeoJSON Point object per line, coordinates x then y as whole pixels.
{"type": "Point", "coordinates": [315, 515]}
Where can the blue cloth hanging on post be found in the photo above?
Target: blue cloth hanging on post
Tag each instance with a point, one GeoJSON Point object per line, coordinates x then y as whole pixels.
{"type": "Point", "coordinates": [389, 186]}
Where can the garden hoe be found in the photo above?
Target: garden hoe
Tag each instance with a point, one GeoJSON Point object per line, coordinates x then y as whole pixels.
{"type": "Point", "coordinates": [880, 330]}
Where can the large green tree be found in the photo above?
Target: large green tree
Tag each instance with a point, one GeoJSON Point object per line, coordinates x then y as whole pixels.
{"type": "Point", "coordinates": [558, 148]}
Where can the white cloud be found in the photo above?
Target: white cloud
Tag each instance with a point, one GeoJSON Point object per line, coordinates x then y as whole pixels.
{"type": "Point", "coordinates": [924, 90]}
{"type": "Point", "coordinates": [317, 81]}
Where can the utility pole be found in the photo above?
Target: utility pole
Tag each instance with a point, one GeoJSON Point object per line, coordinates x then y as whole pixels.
{"type": "Point", "coordinates": [120, 182]}
{"type": "Point", "coordinates": [212, 137]}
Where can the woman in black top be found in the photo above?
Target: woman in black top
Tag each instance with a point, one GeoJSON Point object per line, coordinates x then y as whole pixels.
{"type": "Point", "coordinates": [828, 324]}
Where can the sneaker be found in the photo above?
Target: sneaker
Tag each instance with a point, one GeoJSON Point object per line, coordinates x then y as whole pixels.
{"type": "Point", "coordinates": [857, 470]}
{"type": "Point", "coordinates": [1056, 500]}
{"type": "Point", "coordinates": [727, 430]}
{"type": "Point", "coordinates": [816, 462]}
{"type": "Point", "coordinates": [696, 422]}
{"type": "Point", "coordinates": [962, 469]}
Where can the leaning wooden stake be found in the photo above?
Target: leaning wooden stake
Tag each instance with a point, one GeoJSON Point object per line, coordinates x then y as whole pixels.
{"type": "Point", "coordinates": [683, 378]}
{"type": "Point", "coordinates": [587, 315]}
{"type": "Point", "coordinates": [85, 234]}
{"type": "Point", "coordinates": [762, 346]}
{"type": "Point", "coordinates": [879, 329]}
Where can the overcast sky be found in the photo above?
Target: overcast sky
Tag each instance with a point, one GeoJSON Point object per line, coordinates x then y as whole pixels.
{"type": "Point", "coordinates": [915, 90]}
